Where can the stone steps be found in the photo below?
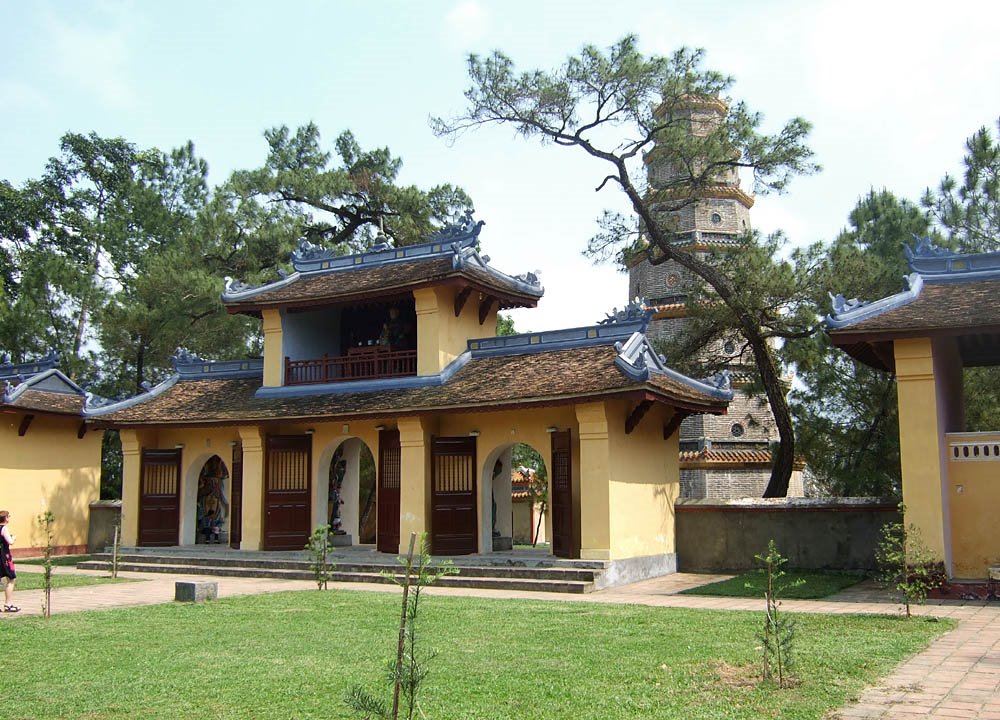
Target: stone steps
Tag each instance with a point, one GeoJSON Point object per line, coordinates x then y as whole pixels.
{"type": "Point", "coordinates": [496, 577]}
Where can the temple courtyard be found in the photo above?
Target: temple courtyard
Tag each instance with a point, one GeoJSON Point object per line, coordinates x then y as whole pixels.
{"type": "Point", "coordinates": [639, 650]}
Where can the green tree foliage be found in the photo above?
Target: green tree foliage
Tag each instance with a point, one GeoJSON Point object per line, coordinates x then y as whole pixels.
{"type": "Point", "coordinates": [342, 200]}
{"type": "Point", "coordinates": [969, 211]}
{"type": "Point", "coordinates": [614, 106]}
{"type": "Point", "coordinates": [505, 325]}
{"type": "Point", "coordinates": [845, 412]}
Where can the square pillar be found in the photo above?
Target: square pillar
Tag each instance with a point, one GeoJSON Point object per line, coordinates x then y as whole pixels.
{"type": "Point", "coordinates": [131, 468]}
{"type": "Point", "coordinates": [415, 480]}
{"type": "Point", "coordinates": [924, 417]}
{"type": "Point", "coordinates": [252, 534]}
{"type": "Point", "coordinates": [595, 481]}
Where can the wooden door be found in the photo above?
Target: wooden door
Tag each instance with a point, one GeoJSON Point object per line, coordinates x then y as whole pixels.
{"type": "Point", "coordinates": [159, 498]}
{"type": "Point", "coordinates": [387, 495]}
{"type": "Point", "coordinates": [562, 496]}
{"type": "Point", "coordinates": [287, 491]}
{"type": "Point", "coordinates": [236, 499]}
{"type": "Point", "coordinates": [453, 496]}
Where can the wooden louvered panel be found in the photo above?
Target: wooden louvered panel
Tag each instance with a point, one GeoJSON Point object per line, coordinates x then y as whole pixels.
{"type": "Point", "coordinates": [159, 497]}
{"type": "Point", "coordinates": [287, 483]}
{"type": "Point", "coordinates": [453, 496]}
{"type": "Point", "coordinates": [387, 499]}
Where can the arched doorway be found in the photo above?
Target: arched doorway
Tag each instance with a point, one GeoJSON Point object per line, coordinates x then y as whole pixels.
{"type": "Point", "coordinates": [514, 499]}
{"type": "Point", "coordinates": [213, 514]}
{"type": "Point", "coordinates": [349, 492]}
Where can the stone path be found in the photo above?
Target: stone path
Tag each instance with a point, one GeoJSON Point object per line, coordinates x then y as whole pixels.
{"type": "Point", "coordinates": [958, 676]}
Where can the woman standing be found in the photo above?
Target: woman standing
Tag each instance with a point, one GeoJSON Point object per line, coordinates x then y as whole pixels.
{"type": "Point", "coordinates": [7, 572]}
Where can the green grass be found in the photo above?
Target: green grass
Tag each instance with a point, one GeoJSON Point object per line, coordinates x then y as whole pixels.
{"type": "Point", "coordinates": [31, 580]}
{"type": "Point", "coordinates": [57, 561]}
{"type": "Point", "coordinates": [295, 655]}
{"type": "Point", "coordinates": [797, 585]}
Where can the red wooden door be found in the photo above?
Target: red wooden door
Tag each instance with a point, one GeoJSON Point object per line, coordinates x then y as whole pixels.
{"type": "Point", "coordinates": [287, 489]}
{"type": "Point", "coordinates": [159, 498]}
{"type": "Point", "coordinates": [236, 500]}
{"type": "Point", "coordinates": [387, 496]}
{"type": "Point", "coordinates": [562, 496]}
{"type": "Point", "coordinates": [453, 496]}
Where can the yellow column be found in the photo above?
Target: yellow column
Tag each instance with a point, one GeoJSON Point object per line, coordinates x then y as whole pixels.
{"type": "Point", "coordinates": [131, 460]}
{"type": "Point", "coordinates": [253, 488]}
{"type": "Point", "coordinates": [274, 359]}
{"type": "Point", "coordinates": [919, 442]}
{"type": "Point", "coordinates": [595, 475]}
{"type": "Point", "coordinates": [428, 331]}
{"type": "Point", "coordinates": [415, 480]}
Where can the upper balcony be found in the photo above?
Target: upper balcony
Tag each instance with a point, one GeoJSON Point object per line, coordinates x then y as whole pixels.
{"type": "Point", "coordinates": [339, 344]}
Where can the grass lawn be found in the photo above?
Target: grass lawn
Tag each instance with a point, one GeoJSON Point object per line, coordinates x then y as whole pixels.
{"type": "Point", "coordinates": [294, 655]}
{"type": "Point", "coordinates": [813, 585]}
{"type": "Point", "coordinates": [34, 580]}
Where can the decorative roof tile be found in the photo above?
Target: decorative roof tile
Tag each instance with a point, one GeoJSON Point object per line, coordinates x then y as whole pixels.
{"type": "Point", "coordinates": [449, 256]}
{"type": "Point", "coordinates": [490, 382]}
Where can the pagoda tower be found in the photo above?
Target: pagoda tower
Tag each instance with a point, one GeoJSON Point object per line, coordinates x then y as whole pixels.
{"type": "Point", "coordinates": [725, 456]}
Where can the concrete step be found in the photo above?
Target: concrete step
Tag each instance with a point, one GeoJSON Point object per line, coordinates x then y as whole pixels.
{"type": "Point", "coordinates": [558, 573]}
{"type": "Point", "coordinates": [340, 575]}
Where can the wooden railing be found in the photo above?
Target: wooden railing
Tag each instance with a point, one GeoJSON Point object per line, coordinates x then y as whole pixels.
{"type": "Point", "coordinates": [360, 363]}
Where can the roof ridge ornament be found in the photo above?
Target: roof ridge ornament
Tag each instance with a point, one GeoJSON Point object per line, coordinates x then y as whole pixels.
{"type": "Point", "coordinates": [843, 305]}
{"type": "Point", "coordinates": [462, 230]}
{"type": "Point", "coordinates": [21, 371]}
{"type": "Point", "coordinates": [306, 251]}
{"type": "Point", "coordinates": [925, 248]}
{"type": "Point", "coordinates": [635, 310]}
{"type": "Point", "coordinates": [722, 380]}
{"type": "Point", "coordinates": [183, 356]}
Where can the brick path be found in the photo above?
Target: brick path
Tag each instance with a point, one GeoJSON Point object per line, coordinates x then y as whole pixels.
{"type": "Point", "coordinates": [958, 676]}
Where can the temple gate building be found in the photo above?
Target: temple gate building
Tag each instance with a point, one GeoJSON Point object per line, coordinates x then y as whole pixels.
{"type": "Point", "coordinates": [395, 349]}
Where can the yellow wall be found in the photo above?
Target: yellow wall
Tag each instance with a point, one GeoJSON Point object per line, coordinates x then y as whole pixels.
{"type": "Point", "coordinates": [274, 359]}
{"type": "Point", "coordinates": [442, 337]}
{"type": "Point", "coordinates": [595, 471]}
{"type": "Point", "coordinates": [974, 498]}
{"type": "Point", "coordinates": [645, 483]}
{"type": "Point", "coordinates": [415, 478]}
{"type": "Point", "coordinates": [920, 443]}
{"type": "Point", "coordinates": [49, 468]}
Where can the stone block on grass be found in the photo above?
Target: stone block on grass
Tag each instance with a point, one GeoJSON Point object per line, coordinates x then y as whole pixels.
{"type": "Point", "coordinates": [195, 591]}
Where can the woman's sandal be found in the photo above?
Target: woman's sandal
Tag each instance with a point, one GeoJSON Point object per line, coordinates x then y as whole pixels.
{"type": "Point", "coordinates": [11, 608]}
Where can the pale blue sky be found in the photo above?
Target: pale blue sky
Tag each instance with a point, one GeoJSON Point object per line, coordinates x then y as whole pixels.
{"type": "Point", "coordinates": [892, 88]}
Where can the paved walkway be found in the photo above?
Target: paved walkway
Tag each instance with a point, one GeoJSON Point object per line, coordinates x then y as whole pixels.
{"type": "Point", "coordinates": [958, 676]}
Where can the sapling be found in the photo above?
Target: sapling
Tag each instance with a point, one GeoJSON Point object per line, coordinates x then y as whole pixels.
{"type": "Point", "coordinates": [778, 634]}
{"type": "Point", "coordinates": [407, 671]}
{"type": "Point", "coordinates": [116, 547]}
{"type": "Point", "coordinates": [319, 547]}
{"type": "Point", "coordinates": [905, 563]}
{"type": "Point", "coordinates": [45, 522]}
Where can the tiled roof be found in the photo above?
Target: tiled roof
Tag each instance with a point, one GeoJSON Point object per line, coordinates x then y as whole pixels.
{"type": "Point", "coordinates": [947, 308]}
{"type": "Point", "coordinates": [384, 280]}
{"type": "Point", "coordinates": [47, 402]}
{"type": "Point", "coordinates": [705, 457]}
{"type": "Point", "coordinates": [554, 377]}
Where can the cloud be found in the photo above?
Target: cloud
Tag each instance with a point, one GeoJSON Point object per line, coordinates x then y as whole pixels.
{"type": "Point", "coordinates": [467, 23]}
{"type": "Point", "coordinates": [92, 54]}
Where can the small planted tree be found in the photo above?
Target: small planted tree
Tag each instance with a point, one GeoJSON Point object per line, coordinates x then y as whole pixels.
{"type": "Point", "coordinates": [905, 564]}
{"type": "Point", "coordinates": [407, 671]}
{"type": "Point", "coordinates": [778, 634]}
{"type": "Point", "coordinates": [319, 549]}
{"type": "Point", "coordinates": [45, 522]}
{"type": "Point", "coordinates": [116, 547]}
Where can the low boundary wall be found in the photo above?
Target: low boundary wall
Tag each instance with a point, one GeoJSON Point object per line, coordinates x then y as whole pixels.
{"type": "Point", "coordinates": [105, 515]}
{"type": "Point", "coordinates": [814, 534]}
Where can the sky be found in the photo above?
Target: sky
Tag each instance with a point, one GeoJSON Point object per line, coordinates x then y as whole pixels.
{"type": "Point", "coordinates": [893, 89]}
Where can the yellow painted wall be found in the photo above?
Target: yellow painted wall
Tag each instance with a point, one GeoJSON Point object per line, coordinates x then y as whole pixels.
{"type": "Point", "coordinates": [49, 468]}
{"type": "Point", "coordinates": [442, 337]}
{"type": "Point", "coordinates": [920, 442]}
{"type": "Point", "coordinates": [595, 472]}
{"type": "Point", "coordinates": [974, 498]}
{"type": "Point", "coordinates": [645, 483]}
{"type": "Point", "coordinates": [274, 358]}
